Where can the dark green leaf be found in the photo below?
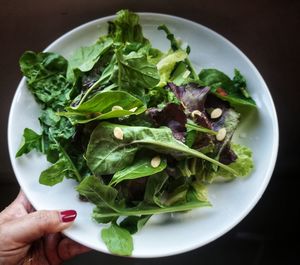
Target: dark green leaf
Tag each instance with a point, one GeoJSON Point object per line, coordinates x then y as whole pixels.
{"type": "Point", "coordinates": [154, 187]}
{"type": "Point", "coordinates": [64, 167]}
{"type": "Point", "coordinates": [134, 224]}
{"type": "Point", "coordinates": [85, 58]}
{"type": "Point", "coordinates": [239, 83]}
{"type": "Point", "coordinates": [45, 74]}
{"type": "Point", "coordinates": [233, 93]}
{"type": "Point", "coordinates": [55, 173]}
{"type": "Point", "coordinates": [136, 73]}
{"type": "Point", "coordinates": [96, 192]}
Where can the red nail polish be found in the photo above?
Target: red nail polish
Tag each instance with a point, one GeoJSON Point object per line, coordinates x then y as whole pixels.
{"type": "Point", "coordinates": [68, 216]}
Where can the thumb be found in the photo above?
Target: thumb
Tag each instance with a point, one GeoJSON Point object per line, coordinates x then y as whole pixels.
{"type": "Point", "coordinates": [37, 224]}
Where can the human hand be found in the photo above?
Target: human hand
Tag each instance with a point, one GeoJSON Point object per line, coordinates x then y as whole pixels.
{"type": "Point", "coordinates": [32, 237]}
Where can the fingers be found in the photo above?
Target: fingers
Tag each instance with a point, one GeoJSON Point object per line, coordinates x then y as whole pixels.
{"type": "Point", "coordinates": [22, 199]}
{"type": "Point", "coordinates": [18, 208]}
{"type": "Point", "coordinates": [68, 249]}
{"type": "Point", "coordinates": [37, 224]}
{"type": "Point", "coordinates": [51, 243]}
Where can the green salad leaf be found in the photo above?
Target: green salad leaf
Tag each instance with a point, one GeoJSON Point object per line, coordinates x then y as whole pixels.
{"type": "Point", "coordinates": [31, 140]}
{"type": "Point", "coordinates": [233, 91]}
{"type": "Point", "coordinates": [105, 105]}
{"type": "Point", "coordinates": [118, 240]}
{"type": "Point", "coordinates": [141, 167]}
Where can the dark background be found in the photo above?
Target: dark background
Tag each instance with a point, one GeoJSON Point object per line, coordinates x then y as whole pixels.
{"type": "Point", "coordinates": [266, 31]}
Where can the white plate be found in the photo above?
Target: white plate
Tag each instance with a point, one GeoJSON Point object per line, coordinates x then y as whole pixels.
{"type": "Point", "coordinates": [163, 235]}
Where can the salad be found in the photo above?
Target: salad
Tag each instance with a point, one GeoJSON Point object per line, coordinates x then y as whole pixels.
{"type": "Point", "coordinates": [138, 128]}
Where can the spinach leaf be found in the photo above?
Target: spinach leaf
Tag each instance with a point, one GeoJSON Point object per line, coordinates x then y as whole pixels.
{"type": "Point", "coordinates": [117, 239]}
{"type": "Point", "coordinates": [106, 154]}
{"type": "Point", "coordinates": [136, 73]}
{"type": "Point", "coordinates": [102, 106]}
{"type": "Point", "coordinates": [31, 140]}
{"type": "Point", "coordinates": [226, 89]}
{"type": "Point", "coordinates": [141, 167]}
{"type": "Point", "coordinates": [96, 192]}
{"type": "Point", "coordinates": [85, 58]}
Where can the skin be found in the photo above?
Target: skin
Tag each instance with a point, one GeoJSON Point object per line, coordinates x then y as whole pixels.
{"type": "Point", "coordinates": [33, 237]}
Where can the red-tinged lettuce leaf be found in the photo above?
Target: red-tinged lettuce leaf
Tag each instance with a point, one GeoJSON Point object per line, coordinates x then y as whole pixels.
{"type": "Point", "coordinates": [227, 155]}
{"type": "Point", "coordinates": [172, 116]}
{"type": "Point", "coordinates": [191, 95]}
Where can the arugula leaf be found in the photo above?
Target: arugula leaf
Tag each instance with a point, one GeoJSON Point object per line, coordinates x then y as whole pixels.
{"type": "Point", "coordinates": [146, 209]}
{"type": "Point", "coordinates": [107, 206]}
{"type": "Point", "coordinates": [55, 173]}
{"type": "Point", "coordinates": [107, 154]}
{"type": "Point", "coordinates": [234, 90]}
{"type": "Point", "coordinates": [64, 167]}
{"type": "Point", "coordinates": [141, 167]}
{"type": "Point", "coordinates": [117, 239]}
{"type": "Point", "coordinates": [31, 140]}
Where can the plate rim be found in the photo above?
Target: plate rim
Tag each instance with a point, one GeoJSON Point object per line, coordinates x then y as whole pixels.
{"type": "Point", "coordinates": [273, 113]}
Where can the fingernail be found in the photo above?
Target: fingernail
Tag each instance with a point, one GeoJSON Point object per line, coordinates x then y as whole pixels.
{"type": "Point", "coordinates": [68, 216]}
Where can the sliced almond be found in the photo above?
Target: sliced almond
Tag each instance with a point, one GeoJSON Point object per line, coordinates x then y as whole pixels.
{"type": "Point", "coordinates": [118, 133]}
{"type": "Point", "coordinates": [133, 109]}
{"type": "Point", "coordinates": [216, 113]}
{"type": "Point", "coordinates": [196, 113]}
{"type": "Point", "coordinates": [155, 161]}
{"type": "Point", "coordinates": [116, 108]}
{"type": "Point", "coordinates": [221, 134]}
